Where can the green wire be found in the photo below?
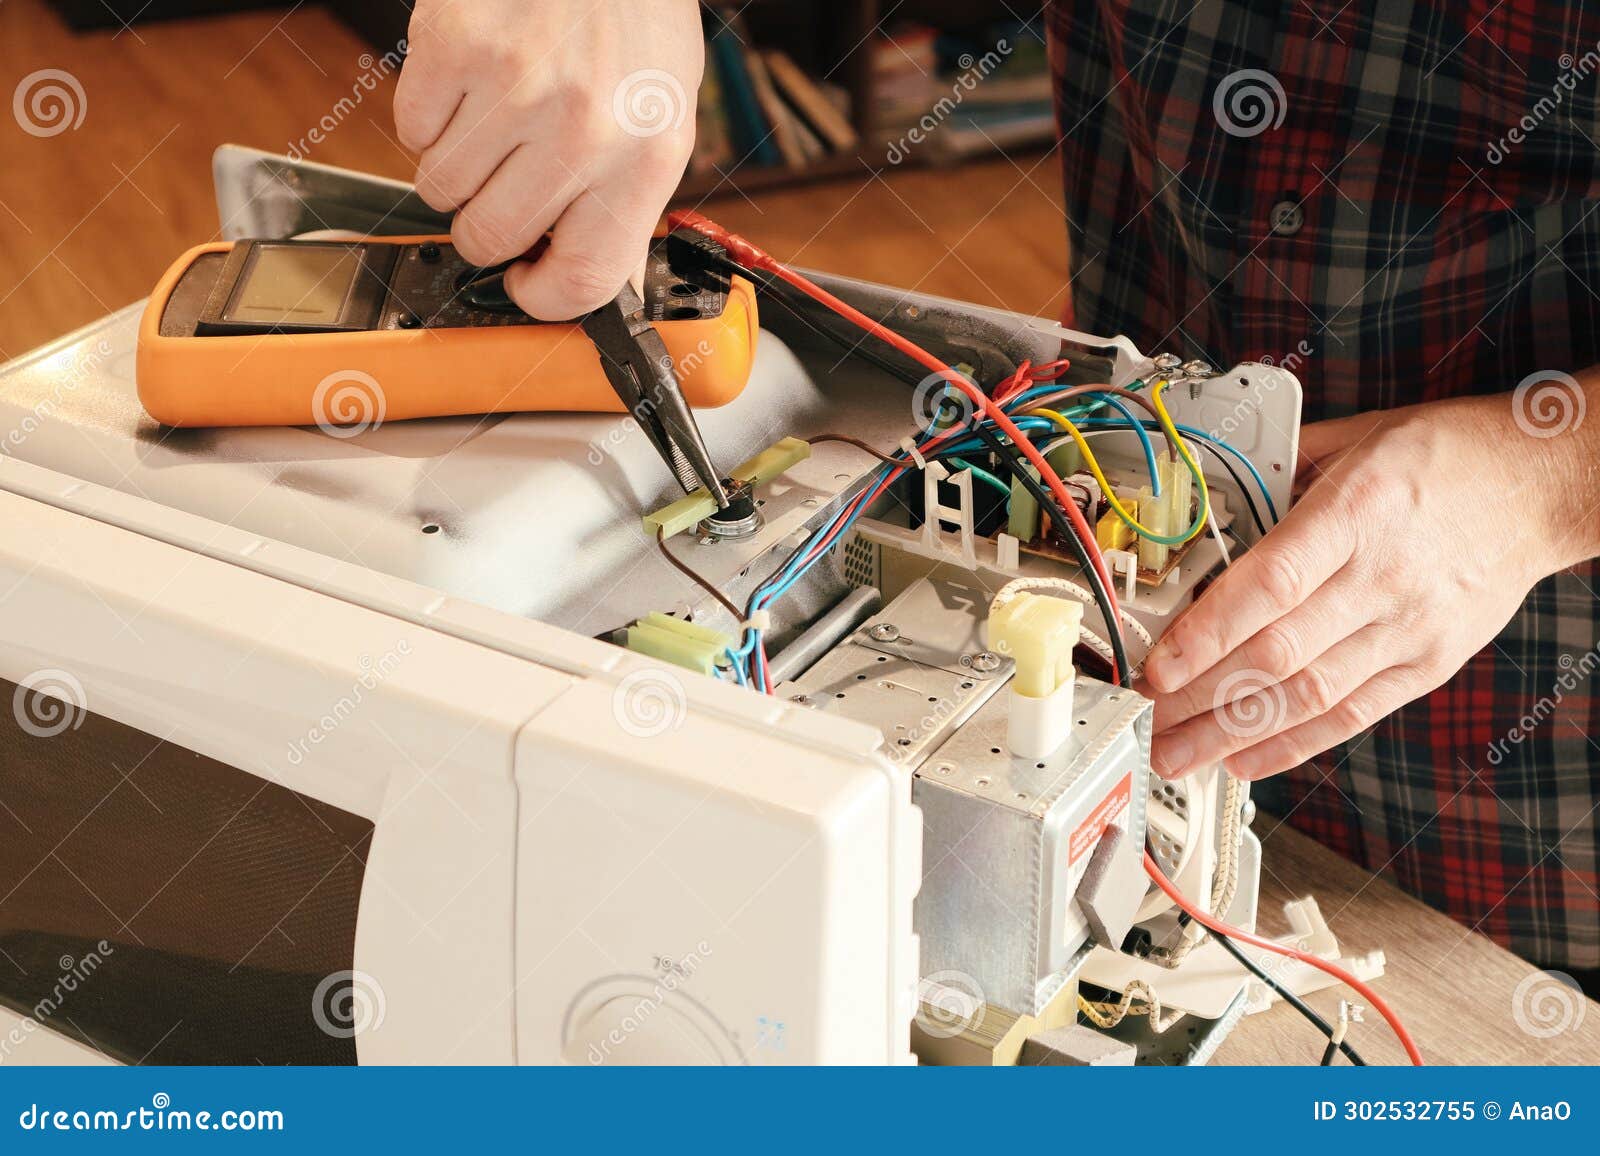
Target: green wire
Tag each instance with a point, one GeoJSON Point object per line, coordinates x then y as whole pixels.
{"type": "Point", "coordinates": [1083, 409]}
{"type": "Point", "coordinates": [1195, 527]}
{"type": "Point", "coordinates": [984, 475]}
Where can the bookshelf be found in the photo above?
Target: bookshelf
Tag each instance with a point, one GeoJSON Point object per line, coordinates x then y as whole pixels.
{"type": "Point", "coordinates": [835, 42]}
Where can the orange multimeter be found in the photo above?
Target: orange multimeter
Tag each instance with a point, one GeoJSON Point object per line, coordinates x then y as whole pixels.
{"type": "Point", "coordinates": [256, 332]}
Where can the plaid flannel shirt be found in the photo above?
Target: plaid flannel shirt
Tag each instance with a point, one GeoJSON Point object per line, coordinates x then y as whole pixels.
{"type": "Point", "coordinates": [1398, 201]}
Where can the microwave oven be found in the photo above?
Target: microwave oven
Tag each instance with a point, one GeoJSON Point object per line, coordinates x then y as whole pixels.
{"type": "Point", "coordinates": [319, 748]}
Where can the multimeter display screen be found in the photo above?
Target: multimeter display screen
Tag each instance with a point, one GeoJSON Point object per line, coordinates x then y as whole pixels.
{"type": "Point", "coordinates": [295, 285]}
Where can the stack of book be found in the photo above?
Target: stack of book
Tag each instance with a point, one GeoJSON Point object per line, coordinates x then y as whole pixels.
{"type": "Point", "coordinates": [905, 75]}
{"type": "Point", "coordinates": [758, 107]}
{"type": "Point", "coordinates": [958, 93]}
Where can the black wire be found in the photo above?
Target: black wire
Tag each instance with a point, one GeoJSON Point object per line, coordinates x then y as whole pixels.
{"type": "Point", "coordinates": [1328, 1053]}
{"type": "Point", "coordinates": [1289, 998]}
{"type": "Point", "coordinates": [853, 343]}
{"type": "Point", "coordinates": [855, 346]}
{"type": "Point", "coordinates": [1255, 514]}
{"type": "Point", "coordinates": [1047, 501]}
{"type": "Point", "coordinates": [938, 455]}
{"type": "Point", "coordinates": [1058, 517]}
{"type": "Point", "coordinates": [848, 336]}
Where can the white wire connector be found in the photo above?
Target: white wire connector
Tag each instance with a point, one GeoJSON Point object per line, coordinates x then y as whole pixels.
{"type": "Point", "coordinates": [1017, 585]}
{"type": "Point", "coordinates": [916, 455]}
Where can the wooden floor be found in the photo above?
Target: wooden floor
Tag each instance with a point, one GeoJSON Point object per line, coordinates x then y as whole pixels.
{"type": "Point", "coordinates": [91, 216]}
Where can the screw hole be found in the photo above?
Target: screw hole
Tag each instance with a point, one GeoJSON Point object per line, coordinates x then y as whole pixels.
{"type": "Point", "coordinates": [430, 527]}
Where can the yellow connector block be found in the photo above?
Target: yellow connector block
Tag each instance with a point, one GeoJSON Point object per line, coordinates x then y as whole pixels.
{"type": "Point", "coordinates": [1065, 459]}
{"type": "Point", "coordinates": [1037, 632]}
{"type": "Point", "coordinates": [694, 508]}
{"type": "Point", "coordinates": [681, 643]}
{"type": "Point", "coordinates": [1111, 532]}
{"type": "Point", "coordinates": [1022, 515]}
{"type": "Point", "coordinates": [1166, 515]}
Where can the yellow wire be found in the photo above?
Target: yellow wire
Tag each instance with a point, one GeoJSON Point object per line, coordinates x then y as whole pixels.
{"type": "Point", "coordinates": [1105, 486]}
{"type": "Point", "coordinates": [1172, 434]}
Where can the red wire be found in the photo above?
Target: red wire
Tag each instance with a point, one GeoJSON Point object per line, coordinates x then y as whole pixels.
{"type": "Point", "coordinates": [1240, 936]}
{"type": "Point", "coordinates": [751, 255]}
{"type": "Point", "coordinates": [1028, 373]}
{"type": "Point", "coordinates": [746, 253]}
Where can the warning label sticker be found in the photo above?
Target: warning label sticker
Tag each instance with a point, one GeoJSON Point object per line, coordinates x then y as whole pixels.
{"type": "Point", "coordinates": [1109, 809]}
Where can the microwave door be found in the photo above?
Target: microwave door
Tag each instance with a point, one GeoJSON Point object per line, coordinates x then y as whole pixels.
{"type": "Point", "coordinates": [242, 821]}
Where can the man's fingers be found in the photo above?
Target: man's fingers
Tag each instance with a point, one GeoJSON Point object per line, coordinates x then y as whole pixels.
{"type": "Point", "coordinates": [595, 249]}
{"type": "Point", "coordinates": [1366, 706]}
{"type": "Point", "coordinates": [1301, 553]}
{"type": "Point", "coordinates": [1322, 439]}
{"type": "Point", "coordinates": [466, 154]}
{"type": "Point", "coordinates": [1275, 653]}
{"type": "Point", "coordinates": [521, 201]}
{"type": "Point", "coordinates": [425, 99]}
{"type": "Point", "coordinates": [1241, 721]}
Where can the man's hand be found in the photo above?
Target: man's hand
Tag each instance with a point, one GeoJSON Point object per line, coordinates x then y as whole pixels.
{"type": "Point", "coordinates": [572, 115]}
{"type": "Point", "coordinates": [1420, 532]}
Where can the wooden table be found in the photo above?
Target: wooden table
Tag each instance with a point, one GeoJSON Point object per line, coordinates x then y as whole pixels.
{"type": "Point", "coordinates": [1452, 987]}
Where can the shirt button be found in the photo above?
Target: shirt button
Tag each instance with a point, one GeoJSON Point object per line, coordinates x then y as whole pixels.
{"type": "Point", "coordinates": [1286, 218]}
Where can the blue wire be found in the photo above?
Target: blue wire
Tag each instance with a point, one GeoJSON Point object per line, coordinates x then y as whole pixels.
{"type": "Point", "coordinates": [974, 445]}
{"type": "Point", "coordinates": [775, 587]}
{"type": "Point", "coordinates": [1199, 435]}
{"type": "Point", "coordinates": [1021, 400]}
{"type": "Point", "coordinates": [1144, 440]}
{"type": "Point", "coordinates": [1073, 414]}
{"type": "Point", "coordinates": [796, 568]}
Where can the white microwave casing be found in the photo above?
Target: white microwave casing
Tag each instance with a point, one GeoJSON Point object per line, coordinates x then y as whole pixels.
{"type": "Point", "coordinates": [726, 877]}
{"type": "Point", "coordinates": [541, 867]}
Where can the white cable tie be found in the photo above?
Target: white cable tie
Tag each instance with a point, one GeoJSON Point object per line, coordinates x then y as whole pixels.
{"type": "Point", "coordinates": [916, 455]}
{"type": "Point", "coordinates": [759, 620]}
